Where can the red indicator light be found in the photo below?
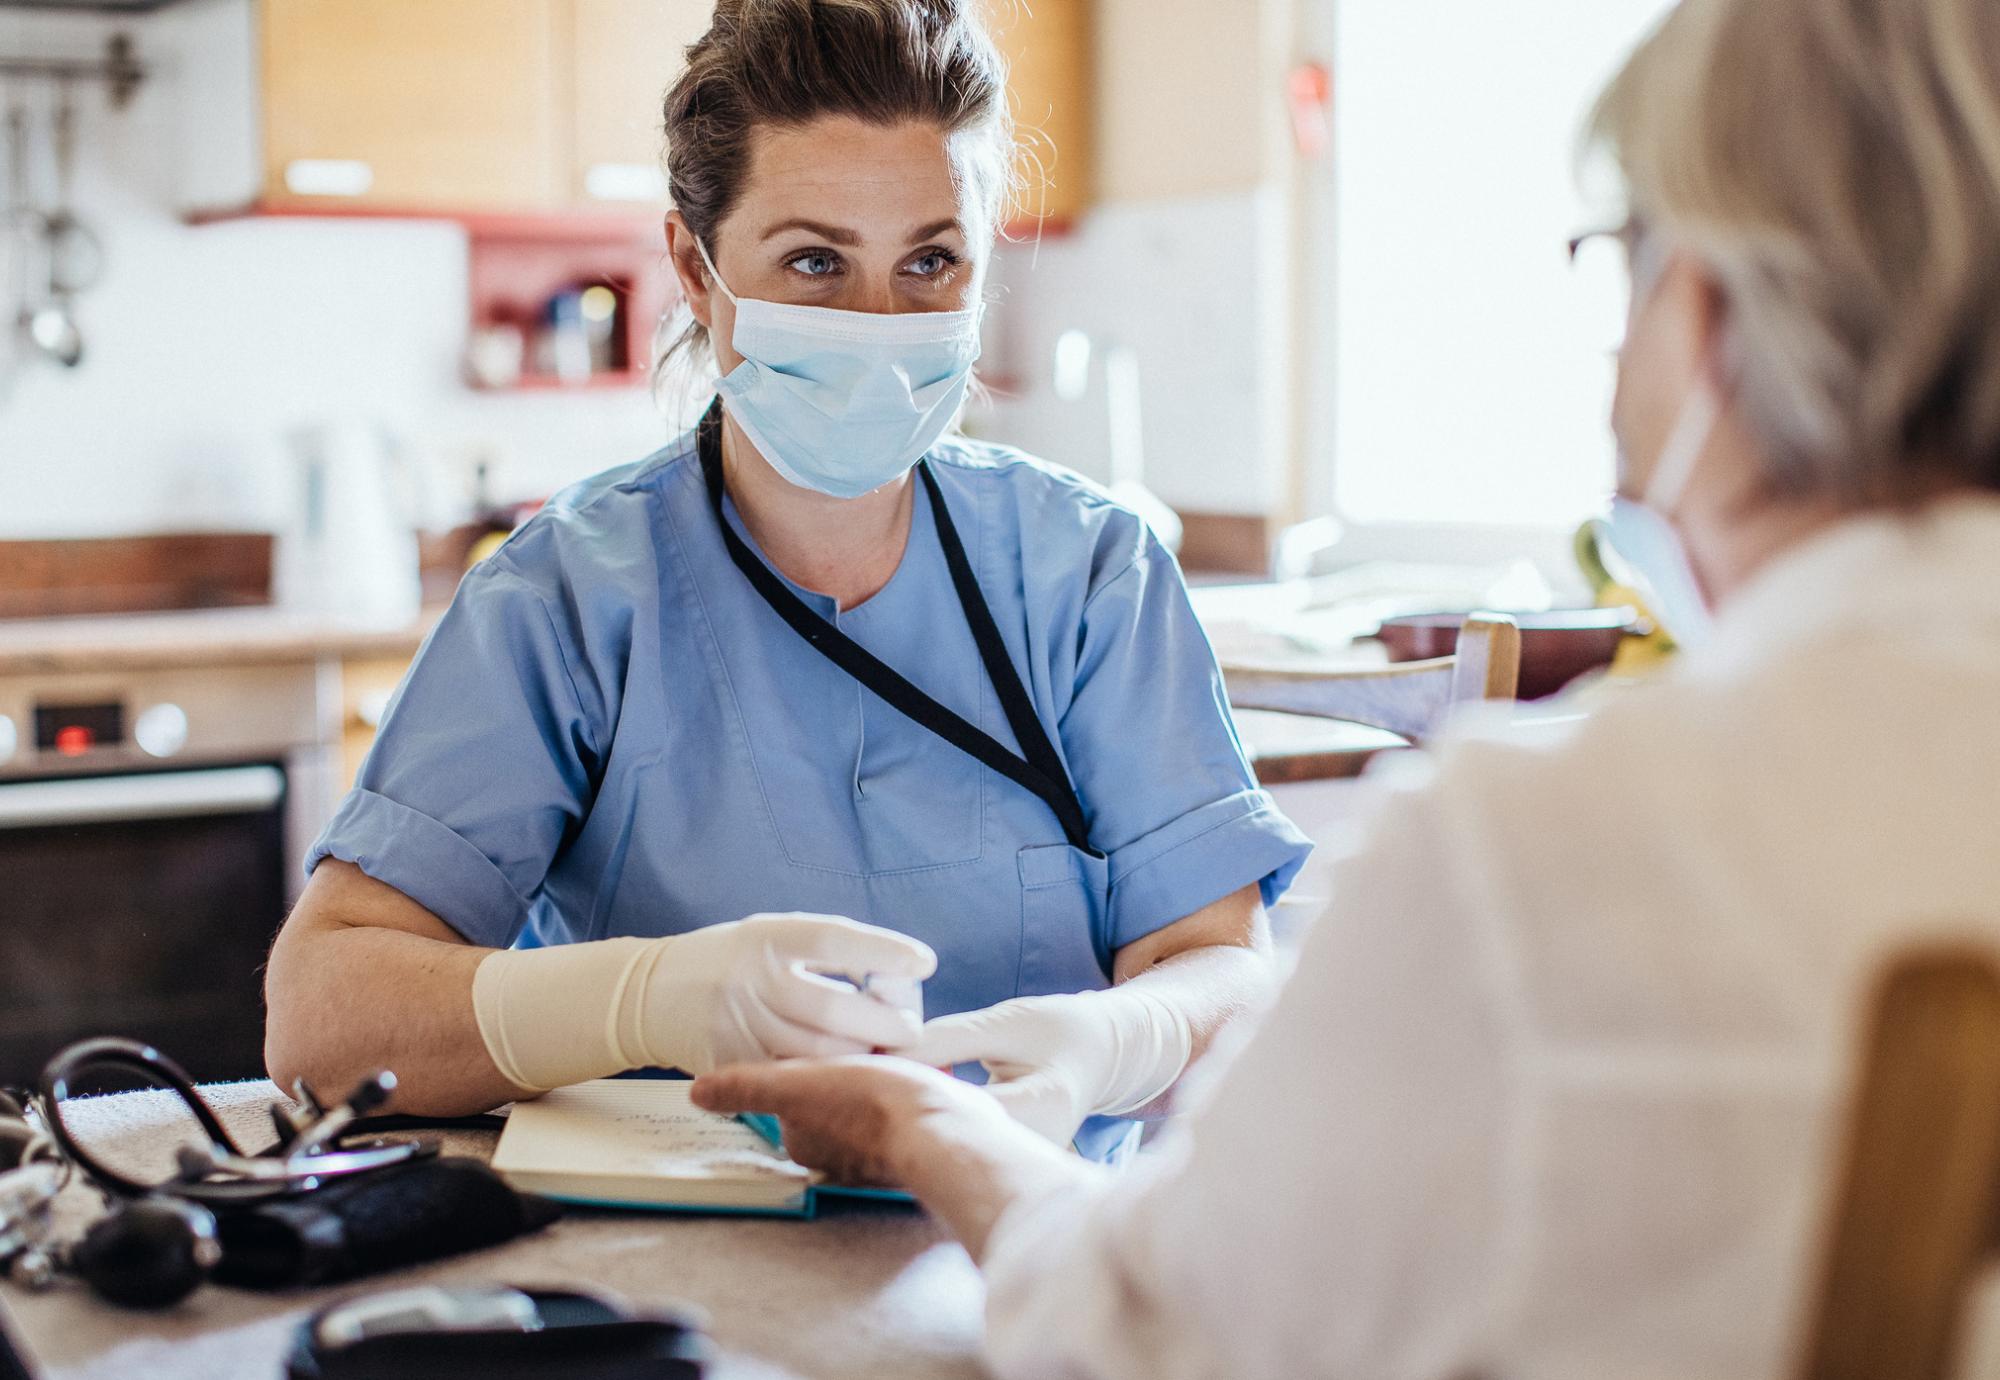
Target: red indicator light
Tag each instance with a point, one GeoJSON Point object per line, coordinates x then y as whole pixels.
{"type": "Point", "coordinates": [74, 740]}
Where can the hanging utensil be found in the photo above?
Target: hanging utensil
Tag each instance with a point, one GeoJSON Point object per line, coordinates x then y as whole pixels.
{"type": "Point", "coordinates": [75, 254]}
{"type": "Point", "coordinates": [22, 225]}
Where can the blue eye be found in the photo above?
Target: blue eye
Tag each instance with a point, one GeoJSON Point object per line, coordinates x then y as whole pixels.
{"type": "Point", "coordinates": [815, 264]}
{"type": "Point", "coordinates": [934, 264]}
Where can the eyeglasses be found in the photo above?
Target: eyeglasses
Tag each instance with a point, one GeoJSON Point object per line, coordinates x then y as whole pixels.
{"type": "Point", "coordinates": [1625, 235]}
{"type": "Point", "coordinates": [1603, 264]}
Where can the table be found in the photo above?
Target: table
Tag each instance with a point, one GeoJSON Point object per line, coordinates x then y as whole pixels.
{"type": "Point", "coordinates": [867, 1290]}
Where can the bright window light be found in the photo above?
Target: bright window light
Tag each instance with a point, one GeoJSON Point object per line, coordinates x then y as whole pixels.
{"type": "Point", "coordinates": [1472, 366]}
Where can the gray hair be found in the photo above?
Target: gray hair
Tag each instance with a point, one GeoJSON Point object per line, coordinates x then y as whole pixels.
{"type": "Point", "coordinates": [1836, 165]}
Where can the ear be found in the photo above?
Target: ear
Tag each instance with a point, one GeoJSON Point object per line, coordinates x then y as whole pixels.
{"type": "Point", "coordinates": [1704, 308]}
{"type": "Point", "coordinates": [685, 253]}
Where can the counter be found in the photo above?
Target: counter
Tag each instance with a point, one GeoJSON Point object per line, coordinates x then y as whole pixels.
{"type": "Point", "coordinates": [207, 637]}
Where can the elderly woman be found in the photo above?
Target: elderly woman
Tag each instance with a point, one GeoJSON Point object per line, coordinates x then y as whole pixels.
{"type": "Point", "coordinates": [1554, 1089]}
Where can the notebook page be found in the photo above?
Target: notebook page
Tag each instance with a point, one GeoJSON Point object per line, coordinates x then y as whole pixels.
{"type": "Point", "coordinates": [636, 1128]}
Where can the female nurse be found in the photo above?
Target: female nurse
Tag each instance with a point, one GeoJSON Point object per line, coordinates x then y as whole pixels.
{"type": "Point", "coordinates": [724, 745]}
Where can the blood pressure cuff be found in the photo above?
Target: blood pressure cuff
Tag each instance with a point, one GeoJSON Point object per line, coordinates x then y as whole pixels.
{"type": "Point", "coordinates": [380, 1219]}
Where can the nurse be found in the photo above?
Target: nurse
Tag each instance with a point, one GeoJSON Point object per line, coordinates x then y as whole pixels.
{"type": "Point", "coordinates": [821, 691]}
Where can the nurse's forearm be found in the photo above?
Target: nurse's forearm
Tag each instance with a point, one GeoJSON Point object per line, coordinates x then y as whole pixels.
{"type": "Point", "coordinates": [1212, 967]}
{"type": "Point", "coordinates": [363, 978]}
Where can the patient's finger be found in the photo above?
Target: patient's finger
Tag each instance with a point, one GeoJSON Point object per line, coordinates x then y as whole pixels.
{"type": "Point", "coordinates": [772, 1087]}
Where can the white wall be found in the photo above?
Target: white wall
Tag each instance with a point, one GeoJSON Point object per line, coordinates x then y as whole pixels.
{"type": "Point", "coordinates": [1186, 259]}
{"type": "Point", "coordinates": [206, 344]}
{"type": "Point", "coordinates": [1194, 286]}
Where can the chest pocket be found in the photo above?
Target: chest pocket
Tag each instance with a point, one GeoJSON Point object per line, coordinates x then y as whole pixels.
{"type": "Point", "coordinates": [1065, 919]}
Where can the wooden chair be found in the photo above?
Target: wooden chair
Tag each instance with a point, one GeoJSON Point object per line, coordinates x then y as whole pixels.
{"type": "Point", "coordinates": [1408, 700]}
{"type": "Point", "coordinates": [1914, 1219]}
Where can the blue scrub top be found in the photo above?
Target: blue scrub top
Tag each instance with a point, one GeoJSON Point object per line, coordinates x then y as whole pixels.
{"type": "Point", "coordinates": [610, 733]}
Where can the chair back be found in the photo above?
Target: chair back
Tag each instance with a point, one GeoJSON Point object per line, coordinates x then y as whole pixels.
{"type": "Point", "coordinates": [1913, 1220]}
{"type": "Point", "coordinates": [1411, 699]}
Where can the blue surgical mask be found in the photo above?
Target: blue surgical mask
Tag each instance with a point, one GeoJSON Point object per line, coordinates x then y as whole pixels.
{"type": "Point", "coordinates": [1642, 532]}
{"type": "Point", "coordinates": [843, 402]}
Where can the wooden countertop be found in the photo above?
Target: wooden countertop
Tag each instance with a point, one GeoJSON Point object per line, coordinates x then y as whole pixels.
{"type": "Point", "coordinates": [866, 1292]}
{"type": "Point", "coordinates": [207, 637]}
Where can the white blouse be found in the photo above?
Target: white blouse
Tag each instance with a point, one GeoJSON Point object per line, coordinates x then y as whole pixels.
{"type": "Point", "coordinates": [1555, 1089]}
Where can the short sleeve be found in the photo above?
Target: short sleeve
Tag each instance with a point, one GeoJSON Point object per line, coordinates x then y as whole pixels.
{"type": "Point", "coordinates": [1154, 754]}
{"type": "Point", "coordinates": [482, 769]}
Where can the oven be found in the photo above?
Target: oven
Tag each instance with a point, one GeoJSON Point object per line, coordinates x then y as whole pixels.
{"type": "Point", "coordinates": [152, 828]}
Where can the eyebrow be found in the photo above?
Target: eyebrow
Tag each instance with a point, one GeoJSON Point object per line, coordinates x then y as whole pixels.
{"type": "Point", "coordinates": [831, 233]}
{"type": "Point", "coordinates": [834, 234]}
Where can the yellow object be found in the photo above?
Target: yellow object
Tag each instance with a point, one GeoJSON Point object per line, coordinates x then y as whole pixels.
{"type": "Point", "coordinates": [485, 547]}
{"type": "Point", "coordinates": [1638, 654]}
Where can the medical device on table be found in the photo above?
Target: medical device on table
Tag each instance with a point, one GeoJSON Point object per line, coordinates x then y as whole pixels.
{"type": "Point", "coordinates": [310, 1208]}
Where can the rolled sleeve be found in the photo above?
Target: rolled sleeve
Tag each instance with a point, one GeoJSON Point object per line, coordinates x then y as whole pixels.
{"type": "Point", "coordinates": [1153, 749]}
{"type": "Point", "coordinates": [427, 862]}
{"type": "Point", "coordinates": [482, 770]}
{"type": "Point", "coordinates": [1200, 858]}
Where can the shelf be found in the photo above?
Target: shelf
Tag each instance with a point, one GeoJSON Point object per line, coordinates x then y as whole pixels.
{"type": "Point", "coordinates": [586, 225]}
{"type": "Point", "coordinates": [551, 383]}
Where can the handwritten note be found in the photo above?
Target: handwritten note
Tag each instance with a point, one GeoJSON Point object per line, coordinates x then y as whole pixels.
{"type": "Point", "coordinates": [640, 1128]}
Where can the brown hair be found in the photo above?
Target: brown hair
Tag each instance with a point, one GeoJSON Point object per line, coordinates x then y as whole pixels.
{"type": "Point", "coordinates": [789, 62]}
{"type": "Point", "coordinates": [1836, 165]}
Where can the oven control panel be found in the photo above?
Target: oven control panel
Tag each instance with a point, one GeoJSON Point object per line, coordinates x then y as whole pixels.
{"type": "Point", "coordinates": [71, 730]}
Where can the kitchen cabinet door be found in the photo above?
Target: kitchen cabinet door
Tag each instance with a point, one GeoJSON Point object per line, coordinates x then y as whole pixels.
{"type": "Point", "coordinates": [1047, 44]}
{"type": "Point", "coordinates": [366, 683]}
{"type": "Point", "coordinates": [445, 104]}
{"type": "Point", "coordinates": [624, 54]}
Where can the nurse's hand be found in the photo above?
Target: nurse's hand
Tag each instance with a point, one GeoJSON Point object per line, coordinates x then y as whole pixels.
{"type": "Point", "coordinates": [756, 989]}
{"type": "Point", "coordinates": [1052, 1061]}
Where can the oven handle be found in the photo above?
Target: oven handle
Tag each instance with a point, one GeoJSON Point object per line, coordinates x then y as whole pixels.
{"type": "Point", "coordinates": [165, 795]}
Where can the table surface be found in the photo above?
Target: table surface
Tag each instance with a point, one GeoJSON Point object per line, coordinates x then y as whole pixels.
{"type": "Point", "coordinates": [867, 1290]}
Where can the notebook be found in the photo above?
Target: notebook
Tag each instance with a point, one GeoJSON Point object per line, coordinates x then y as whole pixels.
{"type": "Point", "coordinates": [641, 1143]}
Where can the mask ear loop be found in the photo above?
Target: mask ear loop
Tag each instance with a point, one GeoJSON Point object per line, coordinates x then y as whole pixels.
{"type": "Point", "coordinates": [1685, 446]}
{"type": "Point", "coordinates": [709, 264]}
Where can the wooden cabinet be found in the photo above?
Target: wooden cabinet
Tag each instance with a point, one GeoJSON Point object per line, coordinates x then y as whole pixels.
{"type": "Point", "coordinates": [442, 103]}
{"type": "Point", "coordinates": [623, 55]}
{"type": "Point", "coordinates": [366, 683]}
{"type": "Point", "coordinates": [1048, 47]}
{"type": "Point", "coordinates": [463, 107]}
{"type": "Point", "coordinates": [458, 106]}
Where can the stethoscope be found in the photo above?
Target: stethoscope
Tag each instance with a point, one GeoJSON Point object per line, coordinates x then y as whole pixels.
{"type": "Point", "coordinates": [306, 1155]}
{"type": "Point", "coordinates": [159, 1241]}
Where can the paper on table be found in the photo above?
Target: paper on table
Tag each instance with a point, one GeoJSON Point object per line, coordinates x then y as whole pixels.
{"type": "Point", "coordinates": [642, 1141]}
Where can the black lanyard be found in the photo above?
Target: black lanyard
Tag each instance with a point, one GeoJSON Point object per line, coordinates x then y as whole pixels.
{"type": "Point", "coordinates": [1041, 771]}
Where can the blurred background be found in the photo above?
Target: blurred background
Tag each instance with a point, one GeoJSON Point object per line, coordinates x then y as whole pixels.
{"type": "Point", "coordinates": [304, 302]}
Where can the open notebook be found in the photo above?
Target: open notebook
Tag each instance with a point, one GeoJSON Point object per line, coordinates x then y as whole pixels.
{"type": "Point", "coordinates": [640, 1143]}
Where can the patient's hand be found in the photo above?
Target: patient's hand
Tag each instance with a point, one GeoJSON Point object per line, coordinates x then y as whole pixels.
{"type": "Point", "coordinates": [853, 1118]}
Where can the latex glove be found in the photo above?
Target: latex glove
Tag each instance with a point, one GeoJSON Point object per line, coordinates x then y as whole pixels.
{"type": "Point", "coordinates": [746, 990]}
{"type": "Point", "coordinates": [1052, 1061]}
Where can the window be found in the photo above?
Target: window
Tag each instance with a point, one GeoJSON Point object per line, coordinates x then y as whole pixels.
{"type": "Point", "coordinates": [1471, 367]}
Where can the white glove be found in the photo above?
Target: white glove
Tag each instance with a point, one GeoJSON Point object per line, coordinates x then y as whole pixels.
{"type": "Point", "coordinates": [746, 990]}
{"type": "Point", "coordinates": [1052, 1061]}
